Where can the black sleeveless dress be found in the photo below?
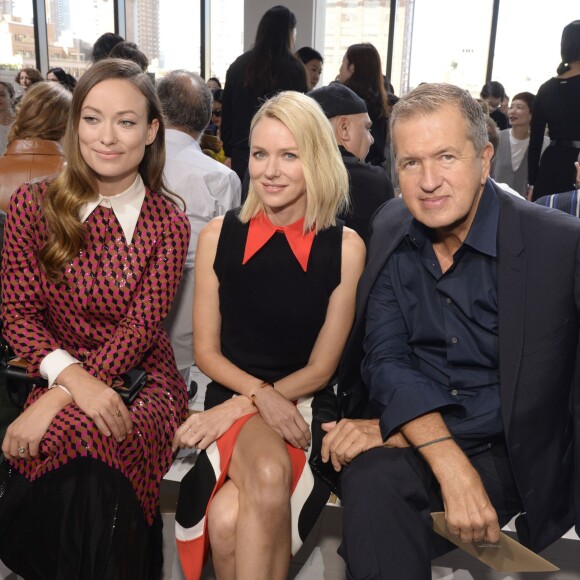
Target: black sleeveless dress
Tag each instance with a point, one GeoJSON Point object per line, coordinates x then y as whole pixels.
{"type": "Point", "coordinates": [272, 312]}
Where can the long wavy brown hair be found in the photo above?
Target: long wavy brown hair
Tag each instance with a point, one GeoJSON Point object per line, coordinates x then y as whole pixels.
{"type": "Point", "coordinates": [77, 183]}
{"type": "Point", "coordinates": [42, 114]}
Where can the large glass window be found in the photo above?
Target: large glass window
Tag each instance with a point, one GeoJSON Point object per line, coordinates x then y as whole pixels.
{"type": "Point", "coordinates": [450, 43]}
{"type": "Point", "coordinates": [527, 48]}
{"type": "Point", "coordinates": [350, 22]}
{"type": "Point", "coordinates": [171, 40]}
{"type": "Point", "coordinates": [226, 34]}
{"type": "Point", "coordinates": [17, 47]}
{"type": "Point", "coordinates": [72, 28]}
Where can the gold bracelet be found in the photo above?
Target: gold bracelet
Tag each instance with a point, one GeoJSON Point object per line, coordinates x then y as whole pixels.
{"type": "Point", "coordinates": [262, 386]}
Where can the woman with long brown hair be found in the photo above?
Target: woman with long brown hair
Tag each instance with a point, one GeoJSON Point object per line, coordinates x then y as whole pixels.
{"type": "Point", "coordinates": [92, 260]}
{"type": "Point", "coordinates": [361, 72]}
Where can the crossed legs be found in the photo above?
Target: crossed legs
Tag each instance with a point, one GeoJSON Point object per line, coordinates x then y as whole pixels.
{"type": "Point", "coordinates": [249, 518]}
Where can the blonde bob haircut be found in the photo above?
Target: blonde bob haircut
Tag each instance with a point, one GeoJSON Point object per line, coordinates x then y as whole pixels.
{"type": "Point", "coordinates": [325, 176]}
{"type": "Point", "coordinates": [77, 183]}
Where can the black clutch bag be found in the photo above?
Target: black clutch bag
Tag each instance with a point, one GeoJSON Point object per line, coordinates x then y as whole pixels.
{"type": "Point", "coordinates": [130, 385]}
{"type": "Point", "coordinates": [325, 410]}
{"type": "Point", "coordinates": [326, 473]}
{"type": "Point", "coordinates": [19, 382]}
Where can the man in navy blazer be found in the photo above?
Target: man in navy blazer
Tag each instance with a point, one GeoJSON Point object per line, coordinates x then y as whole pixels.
{"type": "Point", "coordinates": [460, 376]}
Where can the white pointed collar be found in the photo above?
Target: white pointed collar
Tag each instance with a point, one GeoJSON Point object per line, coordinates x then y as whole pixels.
{"type": "Point", "coordinates": [125, 205]}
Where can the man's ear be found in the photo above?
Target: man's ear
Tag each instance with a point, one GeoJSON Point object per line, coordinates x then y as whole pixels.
{"type": "Point", "coordinates": [486, 158]}
{"type": "Point", "coordinates": [343, 128]}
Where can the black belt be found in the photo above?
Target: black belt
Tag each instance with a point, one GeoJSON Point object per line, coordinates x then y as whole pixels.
{"type": "Point", "coordinates": [565, 143]}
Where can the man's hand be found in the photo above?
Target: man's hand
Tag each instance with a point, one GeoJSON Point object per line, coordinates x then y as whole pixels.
{"type": "Point", "coordinates": [468, 510]}
{"type": "Point", "coordinates": [348, 438]}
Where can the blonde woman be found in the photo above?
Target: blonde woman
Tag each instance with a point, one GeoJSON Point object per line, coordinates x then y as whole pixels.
{"type": "Point", "coordinates": [92, 260]}
{"type": "Point", "coordinates": [273, 306]}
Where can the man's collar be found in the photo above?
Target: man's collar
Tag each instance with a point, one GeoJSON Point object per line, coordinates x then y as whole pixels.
{"type": "Point", "coordinates": [482, 235]}
{"type": "Point", "coordinates": [261, 229]}
{"type": "Point", "coordinates": [345, 153]}
{"type": "Point", "coordinates": [125, 205]}
{"type": "Point", "coordinates": [180, 138]}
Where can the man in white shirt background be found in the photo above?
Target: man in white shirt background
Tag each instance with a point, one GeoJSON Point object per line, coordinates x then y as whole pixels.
{"type": "Point", "coordinates": [207, 187]}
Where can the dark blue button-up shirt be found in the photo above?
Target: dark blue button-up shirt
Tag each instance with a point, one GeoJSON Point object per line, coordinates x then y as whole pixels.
{"type": "Point", "coordinates": [431, 337]}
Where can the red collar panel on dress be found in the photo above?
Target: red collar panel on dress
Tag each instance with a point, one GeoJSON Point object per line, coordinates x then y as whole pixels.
{"type": "Point", "coordinates": [261, 229]}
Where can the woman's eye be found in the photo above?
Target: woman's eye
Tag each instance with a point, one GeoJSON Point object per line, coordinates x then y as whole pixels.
{"type": "Point", "coordinates": [126, 123]}
{"type": "Point", "coordinates": [90, 120]}
{"type": "Point", "coordinates": [259, 154]}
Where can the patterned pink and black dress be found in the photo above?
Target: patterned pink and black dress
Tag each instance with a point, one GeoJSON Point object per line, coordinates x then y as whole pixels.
{"type": "Point", "coordinates": [87, 507]}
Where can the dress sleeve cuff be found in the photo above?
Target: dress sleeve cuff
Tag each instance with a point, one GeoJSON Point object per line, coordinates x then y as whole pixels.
{"type": "Point", "coordinates": [54, 363]}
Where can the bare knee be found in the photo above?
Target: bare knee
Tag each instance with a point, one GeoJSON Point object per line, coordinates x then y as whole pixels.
{"type": "Point", "coordinates": [268, 482]}
{"type": "Point", "coordinates": [222, 523]}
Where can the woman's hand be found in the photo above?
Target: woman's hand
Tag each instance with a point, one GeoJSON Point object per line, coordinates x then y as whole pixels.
{"type": "Point", "coordinates": [283, 416]}
{"type": "Point", "coordinates": [202, 429]}
{"type": "Point", "coordinates": [24, 434]}
{"type": "Point", "coordinates": [98, 401]}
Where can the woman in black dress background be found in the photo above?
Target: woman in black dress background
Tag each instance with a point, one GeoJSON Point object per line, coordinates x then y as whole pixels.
{"type": "Point", "coordinates": [267, 68]}
{"type": "Point", "coordinates": [557, 106]}
{"type": "Point", "coordinates": [361, 72]}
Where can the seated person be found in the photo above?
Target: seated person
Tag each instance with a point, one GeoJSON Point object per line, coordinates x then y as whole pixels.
{"type": "Point", "coordinates": [369, 185]}
{"type": "Point", "coordinates": [462, 403]}
{"type": "Point", "coordinates": [274, 302]}
{"type": "Point", "coordinates": [510, 163]}
{"type": "Point", "coordinates": [568, 201]}
{"type": "Point", "coordinates": [92, 260]}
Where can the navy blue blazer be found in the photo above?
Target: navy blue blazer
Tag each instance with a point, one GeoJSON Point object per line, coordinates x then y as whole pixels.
{"type": "Point", "coordinates": [538, 318]}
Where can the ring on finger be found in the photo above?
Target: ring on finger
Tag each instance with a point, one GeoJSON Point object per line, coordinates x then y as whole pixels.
{"type": "Point", "coordinates": [22, 450]}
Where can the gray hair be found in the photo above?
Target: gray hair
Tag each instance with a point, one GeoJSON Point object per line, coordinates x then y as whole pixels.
{"type": "Point", "coordinates": [430, 97]}
{"type": "Point", "coordinates": [186, 100]}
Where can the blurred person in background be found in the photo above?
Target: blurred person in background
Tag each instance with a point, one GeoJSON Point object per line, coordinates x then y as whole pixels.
{"type": "Point", "coordinates": [557, 107]}
{"type": "Point", "coordinates": [59, 75]}
{"type": "Point", "coordinates": [211, 141]}
{"type": "Point", "coordinates": [214, 84]}
{"type": "Point", "coordinates": [266, 69]}
{"type": "Point", "coordinates": [104, 44]}
{"type": "Point", "coordinates": [25, 78]}
{"type": "Point", "coordinates": [361, 72]}
{"type": "Point", "coordinates": [34, 149]}
{"type": "Point", "coordinates": [313, 62]}
{"type": "Point", "coordinates": [494, 95]}
{"type": "Point", "coordinates": [510, 162]}
{"type": "Point", "coordinates": [130, 51]}
{"type": "Point", "coordinates": [6, 113]}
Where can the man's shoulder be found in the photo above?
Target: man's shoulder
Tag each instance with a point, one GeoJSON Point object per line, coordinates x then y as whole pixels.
{"type": "Point", "coordinates": [365, 170]}
{"type": "Point", "coordinates": [191, 159]}
{"type": "Point", "coordinates": [392, 212]}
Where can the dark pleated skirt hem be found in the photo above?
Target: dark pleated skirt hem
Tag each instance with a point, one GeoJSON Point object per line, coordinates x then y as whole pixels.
{"type": "Point", "coordinates": [81, 521]}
